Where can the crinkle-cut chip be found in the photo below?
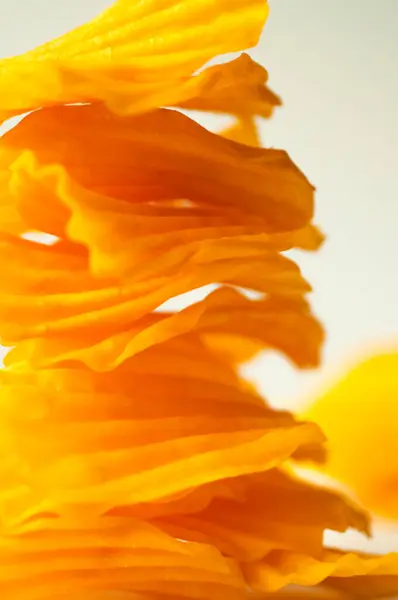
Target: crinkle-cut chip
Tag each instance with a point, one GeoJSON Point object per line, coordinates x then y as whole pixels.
{"type": "Point", "coordinates": [11, 219]}
{"type": "Point", "coordinates": [241, 539]}
{"type": "Point", "coordinates": [111, 308]}
{"type": "Point", "coordinates": [118, 312]}
{"type": "Point", "coordinates": [114, 595]}
{"type": "Point", "coordinates": [100, 407]}
{"type": "Point", "coordinates": [297, 593]}
{"type": "Point", "coordinates": [185, 503]}
{"type": "Point", "coordinates": [164, 155]}
{"type": "Point", "coordinates": [275, 512]}
{"type": "Point", "coordinates": [359, 415]}
{"type": "Point", "coordinates": [121, 235]}
{"type": "Point", "coordinates": [55, 293]}
{"type": "Point", "coordinates": [281, 568]}
{"type": "Point", "coordinates": [85, 438]}
{"type": "Point", "coordinates": [49, 275]}
{"type": "Point", "coordinates": [129, 393]}
{"type": "Point", "coordinates": [133, 57]}
{"type": "Point", "coordinates": [147, 240]}
{"type": "Point", "coordinates": [111, 594]}
{"type": "Point", "coordinates": [45, 557]}
{"type": "Point", "coordinates": [365, 586]}
{"type": "Point", "coordinates": [224, 313]}
{"type": "Point", "coordinates": [153, 582]}
{"type": "Point", "coordinates": [287, 324]}
{"type": "Point", "coordinates": [60, 268]}
{"type": "Point", "coordinates": [70, 206]}
{"type": "Point", "coordinates": [62, 438]}
{"type": "Point", "coordinates": [104, 480]}
{"type": "Point", "coordinates": [52, 534]}
{"type": "Point", "coordinates": [237, 87]}
{"type": "Point", "coordinates": [118, 438]}
{"type": "Point", "coordinates": [79, 411]}
{"type": "Point", "coordinates": [133, 453]}
{"type": "Point", "coordinates": [291, 499]}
